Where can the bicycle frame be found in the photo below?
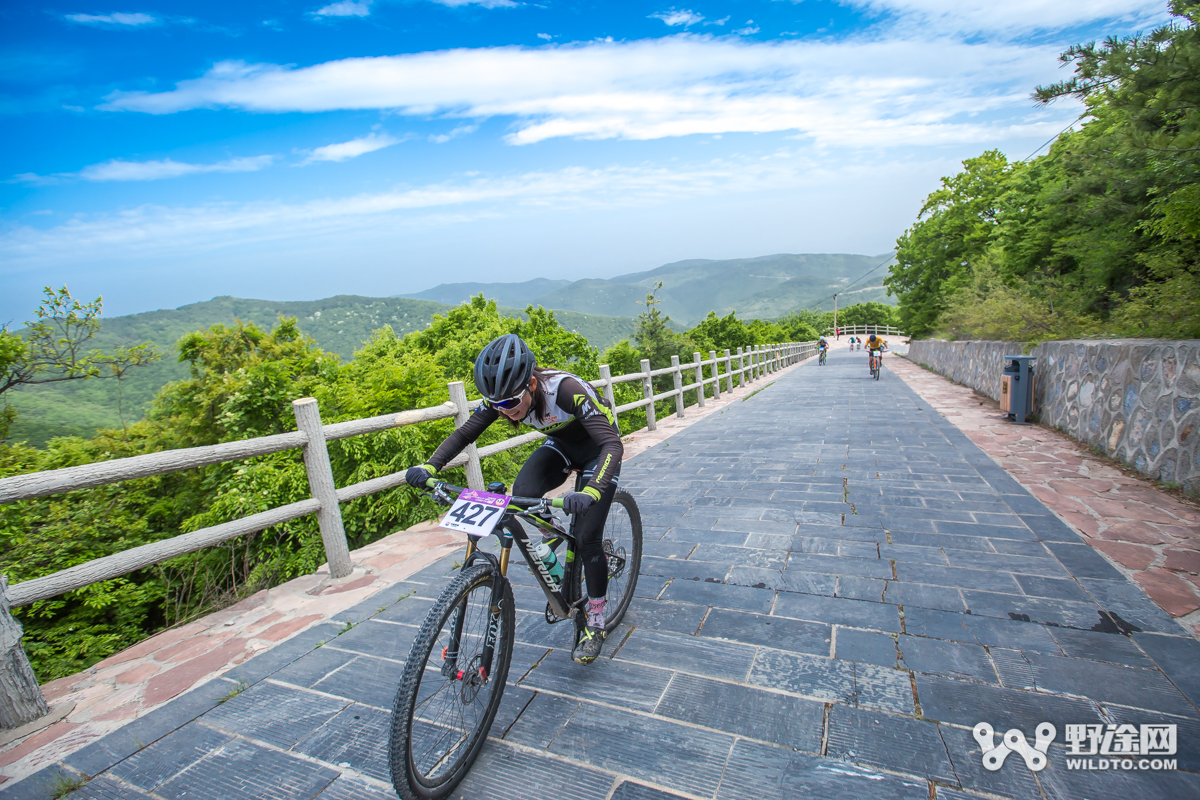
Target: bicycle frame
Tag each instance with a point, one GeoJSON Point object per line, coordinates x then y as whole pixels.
{"type": "Point", "coordinates": [509, 531]}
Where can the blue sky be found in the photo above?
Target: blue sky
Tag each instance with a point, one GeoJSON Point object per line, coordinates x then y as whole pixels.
{"type": "Point", "coordinates": [160, 154]}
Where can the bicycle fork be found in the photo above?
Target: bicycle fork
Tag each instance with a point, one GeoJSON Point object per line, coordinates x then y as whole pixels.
{"type": "Point", "coordinates": [450, 654]}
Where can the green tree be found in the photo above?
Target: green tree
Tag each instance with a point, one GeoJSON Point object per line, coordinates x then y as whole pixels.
{"type": "Point", "coordinates": [953, 231]}
{"type": "Point", "coordinates": [652, 333]}
{"type": "Point", "coordinates": [52, 348]}
{"type": "Point", "coordinates": [242, 382]}
{"type": "Point", "coordinates": [1143, 96]}
{"type": "Point", "coordinates": [719, 333]}
{"type": "Point", "coordinates": [869, 314]}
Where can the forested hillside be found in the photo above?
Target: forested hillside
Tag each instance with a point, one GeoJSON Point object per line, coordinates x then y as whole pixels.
{"type": "Point", "coordinates": [756, 288]}
{"type": "Point", "coordinates": [339, 325]}
{"type": "Point", "coordinates": [1097, 237]}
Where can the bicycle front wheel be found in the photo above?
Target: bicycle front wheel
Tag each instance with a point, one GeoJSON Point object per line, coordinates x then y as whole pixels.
{"type": "Point", "coordinates": [447, 699]}
{"type": "Point", "coordinates": [623, 549]}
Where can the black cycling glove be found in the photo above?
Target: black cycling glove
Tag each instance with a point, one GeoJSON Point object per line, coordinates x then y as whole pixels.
{"type": "Point", "coordinates": [577, 502]}
{"type": "Point", "coordinates": [417, 476]}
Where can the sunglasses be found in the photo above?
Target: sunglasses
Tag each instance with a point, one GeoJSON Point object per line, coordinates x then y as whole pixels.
{"type": "Point", "coordinates": [510, 403]}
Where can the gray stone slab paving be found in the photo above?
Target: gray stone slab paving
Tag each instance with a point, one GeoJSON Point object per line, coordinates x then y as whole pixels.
{"type": "Point", "coordinates": [801, 629]}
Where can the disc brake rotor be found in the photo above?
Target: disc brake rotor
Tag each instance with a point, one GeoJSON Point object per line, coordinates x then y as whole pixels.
{"type": "Point", "coordinates": [616, 559]}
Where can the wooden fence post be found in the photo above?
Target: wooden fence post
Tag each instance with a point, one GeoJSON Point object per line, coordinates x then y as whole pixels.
{"type": "Point", "coordinates": [677, 374]}
{"type": "Point", "coordinates": [648, 391]}
{"type": "Point", "coordinates": [320, 482]}
{"type": "Point", "coordinates": [606, 376]}
{"type": "Point", "coordinates": [716, 373]}
{"type": "Point", "coordinates": [21, 700]}
{"type": "Point", "coordinates": [458, 396]}
{"type": "Point", "coordinates": [728, 371]}
{"type": "Point", "coordinates": [741, 369]}
{"type": "Point", "coordinates": [699, 378]}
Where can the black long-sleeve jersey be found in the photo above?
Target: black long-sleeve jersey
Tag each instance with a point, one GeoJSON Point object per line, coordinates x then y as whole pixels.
{"type": "Point", "coordinates": [575, 413]}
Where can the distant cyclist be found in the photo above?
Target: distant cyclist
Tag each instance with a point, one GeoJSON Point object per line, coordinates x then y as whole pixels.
{"type": "Point", "coordinates": [822, 348]}
{"type": "Point", "coordinates": [582, 434]}
{"type": "Point", "coordinates": [875, 343]}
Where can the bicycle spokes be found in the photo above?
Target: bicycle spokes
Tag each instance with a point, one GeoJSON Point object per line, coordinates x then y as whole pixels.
{"type": "Point", "coordinates": [454, 694]}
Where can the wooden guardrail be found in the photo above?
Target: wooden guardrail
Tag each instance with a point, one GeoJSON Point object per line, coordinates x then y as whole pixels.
{"type": "Point", "coordinates": [20, 697]}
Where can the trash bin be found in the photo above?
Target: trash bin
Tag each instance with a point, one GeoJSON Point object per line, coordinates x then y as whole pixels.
{"type": "Point", "coordinates": [1016, 388]}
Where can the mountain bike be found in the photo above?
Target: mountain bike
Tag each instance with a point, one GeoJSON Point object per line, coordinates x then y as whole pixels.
{"type": "Point", "coordinates": [876, 363]}
{"type": "Point", "coordinates": [455, 673]}
{"type": "Point", "coordinates": [822, 360]}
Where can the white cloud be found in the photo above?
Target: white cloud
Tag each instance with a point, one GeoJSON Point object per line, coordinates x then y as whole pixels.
{"type": "Point", "coordinates": [680, 16]}
{"type": "Point", "coordinates": [118, 18]}
{"type": "Point", "coordinates": [750, 29]}
{"type": "Point", "coordinates": [345, 8]}
{"type": "Point", "coordinates": [152, 230]}
{"type": "Point", "coordinates": [120, 170]}
{"type": "Point", "coordinates": [1011, 16]}
{"type": "Point", "coordinates": [546, 36]}
{"type": "Point", "coordinates": [354, 148]}
{"type": "Point", "coordinates": [461, 130]}
{"type": "Point", "coordinates": [855, 92]}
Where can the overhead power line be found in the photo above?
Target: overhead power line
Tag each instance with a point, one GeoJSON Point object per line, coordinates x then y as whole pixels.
{"type": "Point", "coordinates": [866, 274]}
{"type": "Point", "coordinates": [1052, 138]}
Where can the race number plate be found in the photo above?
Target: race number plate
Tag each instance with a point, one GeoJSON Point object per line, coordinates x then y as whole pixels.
{"type": "Point", "coordinates": [476, 513]}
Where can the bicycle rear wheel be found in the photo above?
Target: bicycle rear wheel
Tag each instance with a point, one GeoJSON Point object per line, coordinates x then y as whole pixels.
{"type": "Point", "coordinates": [623, 549]}
{"type": "Point", "coordinates": [445, 707]}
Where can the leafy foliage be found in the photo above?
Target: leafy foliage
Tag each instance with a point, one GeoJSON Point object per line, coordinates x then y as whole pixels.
{"type": "Point", "coordinates": [242, 383]}
{"type": "Point", "coordinates": [51, 349]}
{"type": "Point", "coordinates": [339, 324]}
{"type": "Point", "coordinates": [1100, 235]}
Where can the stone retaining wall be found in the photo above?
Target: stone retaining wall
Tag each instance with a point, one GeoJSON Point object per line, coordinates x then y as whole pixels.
{"type": "Point", "coordinates": [1138, 400]}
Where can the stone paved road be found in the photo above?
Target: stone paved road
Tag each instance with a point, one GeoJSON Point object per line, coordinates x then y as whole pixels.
{"type": "Point", "coordinates": [837, 586]}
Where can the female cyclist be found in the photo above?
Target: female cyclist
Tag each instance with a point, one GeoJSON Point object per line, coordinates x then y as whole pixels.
{"type": "Point", "coordinates": [582, 434]}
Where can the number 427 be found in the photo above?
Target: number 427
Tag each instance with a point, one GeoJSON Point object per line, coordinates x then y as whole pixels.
{"type": "Point", "coordinates": [462, 516]}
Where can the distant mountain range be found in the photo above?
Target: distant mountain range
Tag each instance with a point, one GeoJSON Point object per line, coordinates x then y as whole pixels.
{"type": "Point", "coordinates": [601, 310]}
{"type": "Point", "coordinates": [763, 287]}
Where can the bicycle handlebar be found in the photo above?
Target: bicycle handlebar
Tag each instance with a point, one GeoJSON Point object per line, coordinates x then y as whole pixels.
{"type": "Point", "coordinates": [520, 502]}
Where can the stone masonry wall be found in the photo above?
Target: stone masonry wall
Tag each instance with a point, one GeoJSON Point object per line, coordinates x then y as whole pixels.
{"type": "Point", "coordinates": [1138, 400]}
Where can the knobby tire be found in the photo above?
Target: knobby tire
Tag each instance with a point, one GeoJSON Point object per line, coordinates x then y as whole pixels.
{"type": "Point", "coordinates": [413, 706]}
{"type": "Point", "coordinates": [630, 540]}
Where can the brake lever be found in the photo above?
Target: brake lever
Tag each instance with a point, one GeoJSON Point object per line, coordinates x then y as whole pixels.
{"type": "Point", "coordinates": [439, 495]}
